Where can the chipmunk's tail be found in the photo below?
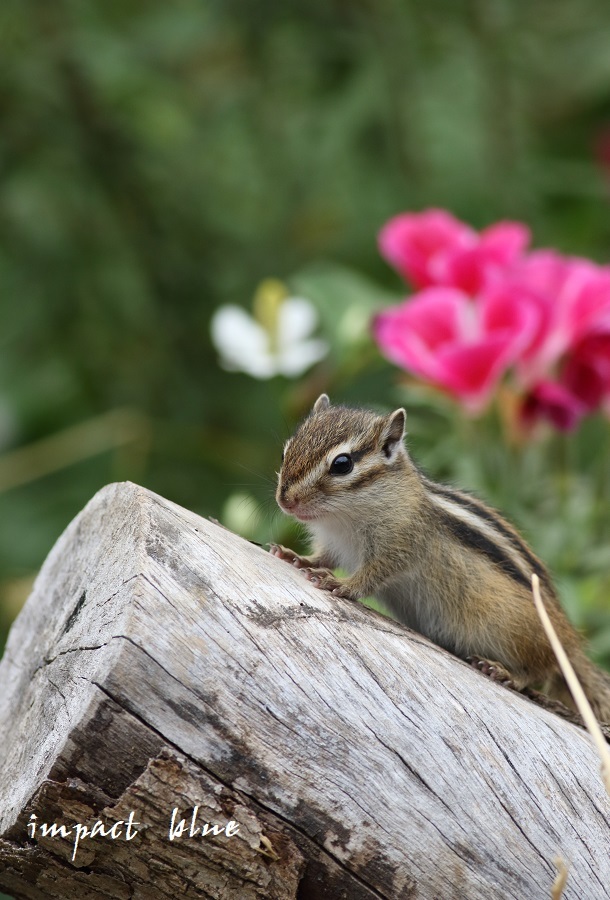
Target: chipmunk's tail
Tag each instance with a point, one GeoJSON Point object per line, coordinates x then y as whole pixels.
{"type": "Point", "coordinates": [595, 683]}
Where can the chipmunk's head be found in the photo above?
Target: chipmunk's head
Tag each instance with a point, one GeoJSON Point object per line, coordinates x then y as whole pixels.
{"type": "Point", "coordinates": [337, 458]}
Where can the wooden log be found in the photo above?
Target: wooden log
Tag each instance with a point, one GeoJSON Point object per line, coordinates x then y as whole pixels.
{"type": "Point", "coordinates": [164, 666]}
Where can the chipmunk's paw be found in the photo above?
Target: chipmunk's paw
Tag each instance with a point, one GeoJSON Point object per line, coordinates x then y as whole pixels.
{"type": "Point", "coordinates": [493, 670]}
{"type": "Point", "coordinates": [326, 581]}
{"type": "Point", "coordinates": [287, 555]}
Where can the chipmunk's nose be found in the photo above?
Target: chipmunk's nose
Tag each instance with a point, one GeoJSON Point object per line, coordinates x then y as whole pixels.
{"type": "Point", "coordinates": [280, 495]}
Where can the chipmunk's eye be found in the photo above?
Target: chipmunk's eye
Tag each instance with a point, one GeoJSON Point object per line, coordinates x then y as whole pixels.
{"type": "Point", "coordinates": [341, 465]}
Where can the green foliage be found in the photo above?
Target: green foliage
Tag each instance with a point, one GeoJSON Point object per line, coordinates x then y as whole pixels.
{"type": "Point", "coordinates": [159, 160]}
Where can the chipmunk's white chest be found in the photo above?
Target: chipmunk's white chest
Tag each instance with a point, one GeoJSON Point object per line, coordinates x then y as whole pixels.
{"type": "Point", "coordinates": [344, 543]}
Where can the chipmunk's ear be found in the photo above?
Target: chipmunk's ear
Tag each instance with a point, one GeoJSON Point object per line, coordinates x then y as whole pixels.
{"type": "Point", "coordinates": [321, 403]}
{"type": "Point", "coordinates": [392, 434]}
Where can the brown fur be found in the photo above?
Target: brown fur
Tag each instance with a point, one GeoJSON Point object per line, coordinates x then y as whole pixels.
{"type": "Point", "coordinates": [441, 561]}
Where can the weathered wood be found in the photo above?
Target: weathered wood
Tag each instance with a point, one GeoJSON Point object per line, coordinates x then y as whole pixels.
{"type": "Point", "coordinates": [163, 662]}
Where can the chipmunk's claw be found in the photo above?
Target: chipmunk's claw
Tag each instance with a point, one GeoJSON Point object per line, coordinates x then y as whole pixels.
{"type": "Point", "coordinates": [492, 670]}
{"type": "Point", "coordinates": [318, 577]}
{"type": "Point", "coordinates": [287, 555]}
{"type": "Point", "coordinates": [326, 581]}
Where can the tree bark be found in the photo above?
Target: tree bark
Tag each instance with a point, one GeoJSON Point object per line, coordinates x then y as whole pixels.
{"type": "Point", "coordinates": [164, 666]}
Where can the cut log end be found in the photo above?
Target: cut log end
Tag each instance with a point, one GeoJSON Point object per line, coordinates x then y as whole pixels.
{"type": "Point", "coordinates": [236, 732]}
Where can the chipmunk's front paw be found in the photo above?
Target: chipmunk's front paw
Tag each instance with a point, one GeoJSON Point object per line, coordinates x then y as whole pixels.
{"type": "Point", "coordinates": [493, 670]}
{"type": "Point", "coordinates": [287, 555]}
{"type": "Point", "coordinates": [326, 581]}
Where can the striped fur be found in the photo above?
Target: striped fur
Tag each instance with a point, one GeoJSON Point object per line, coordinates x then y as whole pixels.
{"type": "Point", "coordinates": [338, 430]}
{"type": "Point", "coordinates": [441, 560]}
{"type": "Point", "coordinates": [482, 528]}
{"type": "Point", "coordinates": [502, 532]}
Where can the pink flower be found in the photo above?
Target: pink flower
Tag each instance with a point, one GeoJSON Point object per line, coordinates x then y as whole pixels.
{"type": "Point", "coordinates": [435, 248]}
{"type": "Point", "coordinates": [464, 347]}
{"type": "Point", "coordinates": [412, 242]}
{"type": "Point", "coordinates": [554, 402]}
{"type": "Point", "coordinates": [577, 341]}
{"type": "Point", "coordinates": [588, 310]}
{"type": "Point", "coordinates": [573, 296]}
{"type": "Point", "coordinates": [485, 306]}
{"type": "Point", "coordinates": [587, 370]}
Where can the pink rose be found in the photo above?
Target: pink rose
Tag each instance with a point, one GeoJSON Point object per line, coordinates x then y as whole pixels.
{"type": "Point", "coordinates": [588, 310]}
{"type": "Point", "coordinates": [573, 296]}
{"type": "Point", "coordinates": [485, 305]}
{"type": "Point", "coordinates": [586, 372]}
{"type": "Point", "coordinates": [462, 346]}
{"type": "Point", "coordinates": [554, 402]}
{"type": "Point", "coordinates": [435, 248]}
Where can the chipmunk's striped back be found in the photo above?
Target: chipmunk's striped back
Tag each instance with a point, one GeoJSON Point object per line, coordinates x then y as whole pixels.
{"type": "Point", "coordinates": [478, 526]}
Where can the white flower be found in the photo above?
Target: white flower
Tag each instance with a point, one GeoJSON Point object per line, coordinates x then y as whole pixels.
{"type": "Point", "coordinates": [275, 342]}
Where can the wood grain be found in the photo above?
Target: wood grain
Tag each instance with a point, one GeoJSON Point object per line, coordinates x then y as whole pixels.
{"type": "Point", "coordinates": [163, 662]}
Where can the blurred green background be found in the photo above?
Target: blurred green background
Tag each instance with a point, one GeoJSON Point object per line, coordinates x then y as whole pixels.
{"type": "Point", "coordinates": [159, 160]}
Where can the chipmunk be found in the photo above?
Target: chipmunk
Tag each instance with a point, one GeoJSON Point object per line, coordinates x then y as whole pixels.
{"type": "Point", "coordinates": [440, 560]}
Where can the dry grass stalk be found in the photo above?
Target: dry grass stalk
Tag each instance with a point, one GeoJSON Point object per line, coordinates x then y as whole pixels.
{"type": "Point", "coordinates": [574, 685]}
{"type": "Point", "coordinates": [560, 879]}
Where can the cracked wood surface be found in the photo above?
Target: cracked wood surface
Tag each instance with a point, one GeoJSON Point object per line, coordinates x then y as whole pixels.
{"type": "Point", "coordinates": [163, 662]}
